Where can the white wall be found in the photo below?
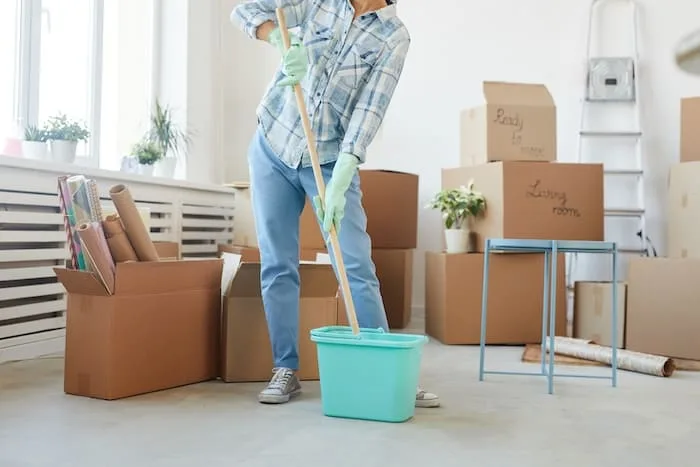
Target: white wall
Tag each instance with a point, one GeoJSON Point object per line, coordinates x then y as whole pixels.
{"type": "Point", "coordinates": [456, 45]}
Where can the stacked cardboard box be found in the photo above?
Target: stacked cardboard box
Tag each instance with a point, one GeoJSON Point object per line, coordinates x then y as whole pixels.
{"type": "Point", "coordinates": [390, 200]}
{"type": "Point", "coordinates": [508, 149]}
{"type": "Point", "coordinates": [663, 293]}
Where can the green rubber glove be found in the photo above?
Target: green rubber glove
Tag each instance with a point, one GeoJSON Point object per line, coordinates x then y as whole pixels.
{"type": "Point", "coordinates": [294, 60]}
{"type": "Point", "coordinates": [343, 172]}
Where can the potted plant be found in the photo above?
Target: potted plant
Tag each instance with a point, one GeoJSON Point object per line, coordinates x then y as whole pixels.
{"type": "Point", "coordinates": [63, 135]}
{"type": "Point", "coordinates": [459, 206]}
{"type": "Point", "coordinates": [34, 143]}
{"type": "Point", "coordinates": [167, 134]}
{"type": "Point", "coordinates": [148, 154]}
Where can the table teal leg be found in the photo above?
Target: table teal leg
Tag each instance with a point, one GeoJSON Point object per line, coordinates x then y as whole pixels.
{"type": "Point", "coordinates": [545, 310]}
{"type": "Point", "coordinates": [552, 315]}
{"type": "Point", "coordinates": [615, 311]}
{"type": "Point", "coordinates": [484, 309]}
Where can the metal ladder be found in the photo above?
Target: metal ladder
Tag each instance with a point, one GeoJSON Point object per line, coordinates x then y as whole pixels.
{"type": "Point", "coordinates": [614, 81]}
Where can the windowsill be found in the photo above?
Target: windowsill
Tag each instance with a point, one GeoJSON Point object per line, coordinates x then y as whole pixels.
{"type": "Point", "coordinates": [62, 169]}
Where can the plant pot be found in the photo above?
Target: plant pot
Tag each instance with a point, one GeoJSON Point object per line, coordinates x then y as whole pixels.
{"type": "Point", "coordinates": [146, 169]}
{"type": "Point", "coordinates": [63, 151]}
{"type": "Point", "coordinates": [166, 167]}
{"type": "Point", "coordinates": [457, 241]}
{"type": "Point", "coordinates": [35, 150]}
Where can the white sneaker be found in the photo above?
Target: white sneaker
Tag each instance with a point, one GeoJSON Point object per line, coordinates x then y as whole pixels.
{"type": "Point", "coordinates": [282, 387]}
{"type": "Point", "coordinates": [426, 399]}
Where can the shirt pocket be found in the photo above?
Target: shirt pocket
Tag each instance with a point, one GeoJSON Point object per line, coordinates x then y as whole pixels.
{"type": "Point", "coordinates": [318, 40]}
{"type": "Point", "coordinates": [355, 70]}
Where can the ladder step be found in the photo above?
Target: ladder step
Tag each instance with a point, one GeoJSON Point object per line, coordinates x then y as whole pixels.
{"type": "Point", "coordinates": [636, 172]}
{"type": "Point", "coordinates": [613, 134]}
{"type": "Point", "coordinates": [624, 212]}
{"type": "Point", "coordinates": [632, 251]}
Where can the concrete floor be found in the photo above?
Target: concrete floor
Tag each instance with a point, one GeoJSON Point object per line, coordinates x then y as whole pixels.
{"type": "Point", "coordinates": [502, 422]}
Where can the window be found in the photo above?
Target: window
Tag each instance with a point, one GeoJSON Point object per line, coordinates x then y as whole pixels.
{"type": "Point", "coordinates": [9, 46]}
{"type": "Point", "coordinates": [88, 59]}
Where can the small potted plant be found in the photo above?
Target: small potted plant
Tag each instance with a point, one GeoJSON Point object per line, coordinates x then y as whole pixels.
{"type": "Point", "coordinates": [459, 206]}
{"type": "Point", "coordinates": [63, 135]}
{"type": "Point", "coordinates": [34, 143]}
{"type": "Point", "coordinates": [147, 153]}
{"type": "Point", "coordinates": [167, 134]}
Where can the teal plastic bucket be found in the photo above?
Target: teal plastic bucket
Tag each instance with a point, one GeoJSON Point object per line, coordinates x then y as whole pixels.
{"type": "Point", "coordinates": [371, 376]}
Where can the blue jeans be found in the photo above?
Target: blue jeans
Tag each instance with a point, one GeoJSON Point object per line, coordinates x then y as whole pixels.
{"type": "Point", "coordinates": [278, 195]}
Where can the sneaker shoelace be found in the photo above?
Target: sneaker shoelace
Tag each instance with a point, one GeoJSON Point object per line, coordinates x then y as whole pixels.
{"type": "Point", "coordinates": [280, 379]}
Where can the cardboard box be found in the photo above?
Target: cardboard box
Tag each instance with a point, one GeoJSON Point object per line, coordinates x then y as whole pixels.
{"type": "Point", "coordinates": [662, 307]}
{"type": "Point", "coordinates": [518, 122]}
{"type": "Point", "coordinates": [158, 331]}
{"type": "Point", "coordinates": [395, 274]}
{"type": "Point", "coordinates": [246, 349]}
{"type": "Point", "coordinates": [390, 200]}
{"type": "Point", "coordinates": [684, 211]}
{"type": "Point", "coordinates": [593, 312]}
{"type": "Point", "coordinates": [525, 200]}
{"type": "Point", "coordinates": [168, 250]}
{"type": "Point", "coordinates": [690, 122]}
{"type": "Point", "coordinates": [453, 289]}
{"type": "Point", "coordinates": [243, 219]}
{"type": "Point", "coordinates": [248, 254]}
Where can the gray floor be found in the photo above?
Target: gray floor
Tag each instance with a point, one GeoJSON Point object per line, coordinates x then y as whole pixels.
{"type": "Point", "coordinates": [502, 422]}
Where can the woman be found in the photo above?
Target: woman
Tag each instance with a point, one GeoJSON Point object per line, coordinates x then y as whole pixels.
{"type": "Point", "coordinates": [348, 57]}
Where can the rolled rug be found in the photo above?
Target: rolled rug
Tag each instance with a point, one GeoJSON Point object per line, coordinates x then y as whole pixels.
{"type": "Point", "coordinates": [100, 259]}
{"type": "Point", "coordinates": [134, 227]}
{"type": "Point", "coordinates": [117, 241]}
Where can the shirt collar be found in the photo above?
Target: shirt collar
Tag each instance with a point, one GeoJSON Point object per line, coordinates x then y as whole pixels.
{"type": "Point", "coordinates": [387, 12]}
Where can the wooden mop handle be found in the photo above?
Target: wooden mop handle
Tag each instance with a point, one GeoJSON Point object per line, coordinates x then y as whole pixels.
{"type": "Point", "coordinates": [321, 186]}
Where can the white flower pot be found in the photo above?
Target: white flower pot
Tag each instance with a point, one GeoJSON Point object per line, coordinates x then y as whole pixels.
{"type": "Point", "coordinates": [63, 151]}
{"type": "Point", "coordinates": [166, 167]}
{"type": "Point", "coordinates": [146, 169]}
{"type": "Point", "coordinates": [35, 150]}
{"type": "Point", "coordinates": [457, 240]}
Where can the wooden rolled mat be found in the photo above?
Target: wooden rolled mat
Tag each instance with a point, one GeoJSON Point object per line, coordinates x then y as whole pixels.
{"type": "Point", "coordinates": [653, 365]}
{"type": "Point", "coordinates": [100, 258]}
{"type": "Point", "coordinates": [117, 241]}
{"type": "Point", "coordinates": [135, 229]}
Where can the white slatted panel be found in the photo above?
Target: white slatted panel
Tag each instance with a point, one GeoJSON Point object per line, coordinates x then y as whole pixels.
{"type": "Point", "coordinates": [204, 227]}
{"type": "Point", "coordinates": [32, 242]}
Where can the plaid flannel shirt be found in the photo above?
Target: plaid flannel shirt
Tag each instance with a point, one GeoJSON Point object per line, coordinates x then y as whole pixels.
{"type": "Point", "coordinates": [354, 66]}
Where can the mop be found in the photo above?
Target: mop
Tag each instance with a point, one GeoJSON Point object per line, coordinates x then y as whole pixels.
{"type": "Point", "coordinates": [321, 187]}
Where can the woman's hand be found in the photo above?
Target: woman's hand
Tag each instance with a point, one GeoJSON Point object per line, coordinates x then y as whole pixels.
{"type": "Point", "coordinates": [333, 211]}
{"type": "Point", "coordinates": [294, 60]}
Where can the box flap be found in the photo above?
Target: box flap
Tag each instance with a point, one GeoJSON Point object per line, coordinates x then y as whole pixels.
{"type": "Point", "coordinates": [239, 278]}
{"type": "Point", "coordinates": [155, 277]}
{"type": "Point", "coordinates": [80, 282]}
{"type": "Point", "coordinates": [501, 93]}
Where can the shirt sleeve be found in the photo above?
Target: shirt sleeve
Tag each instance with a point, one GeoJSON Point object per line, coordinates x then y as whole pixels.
{"type": "Point", "coordinates": [250, 14]}
{"type": "Point", "coordinates": [374, 99]}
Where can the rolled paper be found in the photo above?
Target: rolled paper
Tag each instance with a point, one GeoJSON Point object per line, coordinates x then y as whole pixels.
{"type": "Point", "coordinates": [117, 241]}
{"type": "Point", "coordinates": [100, 260]}
{"type": "Point", "coordinates": [134, 227]}
{"type": "Point", "coordinates": [647, 364]}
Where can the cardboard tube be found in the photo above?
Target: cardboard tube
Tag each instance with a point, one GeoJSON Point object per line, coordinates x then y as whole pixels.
{"type": "Point", "coordinates": [117, 241]}
{"type": "Point", "coordinates": [134, 227]}
{"type": "Point", "coordinates": [653, 365]}
{"type": "Point", "coordinates": [100, 259]}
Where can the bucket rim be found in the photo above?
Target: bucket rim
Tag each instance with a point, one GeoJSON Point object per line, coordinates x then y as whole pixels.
{"type": "Point", "coordinates": [342, 335]}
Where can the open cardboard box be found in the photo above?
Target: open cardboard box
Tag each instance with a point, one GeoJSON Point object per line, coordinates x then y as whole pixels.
{"type": "Point", "coordinates": [160, 329]}
{"type": "Point", "coordinates": [246, 350]}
